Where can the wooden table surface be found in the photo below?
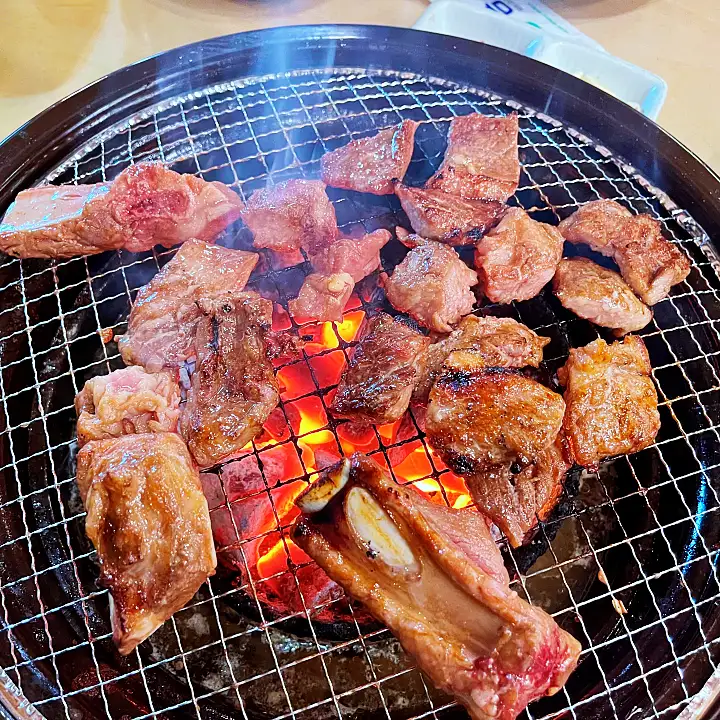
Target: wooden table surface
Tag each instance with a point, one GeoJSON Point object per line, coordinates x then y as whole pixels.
{"type": "Point", "coordinates": [49, 48]}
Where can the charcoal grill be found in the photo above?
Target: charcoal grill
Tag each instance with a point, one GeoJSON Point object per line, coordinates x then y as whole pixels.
{"type": "Point", "coordinates": [627, 563]}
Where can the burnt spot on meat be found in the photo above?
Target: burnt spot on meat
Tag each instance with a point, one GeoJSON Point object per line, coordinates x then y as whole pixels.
{"type": "Point", "coordinates": [460, 464]}
{"type": "Point", "coordinates": [457, 379]}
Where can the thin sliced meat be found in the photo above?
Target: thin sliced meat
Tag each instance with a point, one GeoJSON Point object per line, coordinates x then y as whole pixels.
{"type": "Point", "coordinates": [357, 257]}
{"type": "Point", "coordinates": [322, 297]}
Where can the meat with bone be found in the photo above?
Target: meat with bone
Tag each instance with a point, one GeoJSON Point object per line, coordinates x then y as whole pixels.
{"type": "Point", "coordinates": [432, 284]}
{"type": "Point", "coordinates": [233, 389]}
{"type": "Point", "coordinates": [611, 400]}
{"type": "Point", "coordinates": [148, 520]}
{"type": "Point", "coordinates": [498, 342]}
{"type": "Point", "coordinates": [385, 365]}
{"type": "Point", "coordinates": [292, 215]}
{"type": "Point", "coordinates": [146, 205]}
{"type": "Point", "coordinates": [371, 164]}
{"type": "Point", "coordinates": [357, 257]}
{"type": "Point", "coordinates": [518, 257]}
{"type": "Point", "coordinates": [648, 262]}
{"type": "Point", "coordinates": [481, 160]}
{"type": "Point", "coordinates": [126, 402]}
{"type": "Point", "coordinates": [161, 326]}
{"type": "Point", "coordinates": [322, 297]}
{"type": "Point", "coordinates": [436, 215]}
{"type": "Point", "coordinates": [600, 295]}
{"type": "Point", "coordinates": [434, 576]}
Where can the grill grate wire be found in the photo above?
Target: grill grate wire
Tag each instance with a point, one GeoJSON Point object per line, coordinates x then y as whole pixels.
{"type": "Point", "coordinates": [269, 129]}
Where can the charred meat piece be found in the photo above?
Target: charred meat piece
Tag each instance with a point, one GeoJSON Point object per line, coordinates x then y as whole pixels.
{"type": "Point", "coordinates": [378, 382]}
{"type": "Point", "coordinates": [611, 400]}
{"type": "Point", "coordinates": [323, 297]}
{"type": "Point", "coordinates": [498, 342]}
{"type": "Point", "coordinates": [148, 520]}
{"type": "Point", "coordinates": [146, 205]}
{"type": "Point", "coordinates": [233, 387]}
{"type": "Point", "coordinates": [371, 164]}
{"type": "Point", "coordinates": [292, 215]}
{"type": "Point", "coordinates": [357, 257]}
{"type": "Point", "coordinates": [435, 577]}
{"type": "Point", "coordinates": [648, 262]}
{"type": "Point", "coordinates": [481, 160]}
{"type": "Point", "coordinates": [515, 498]}
{"type": "Point", "coordinates": [161, 326]}
{"type": "Point", "coordinates": [448, 218]}
{"type": "Point", "coordinates": [432, 284]}
{"type": "Point", "coordinates": [518, 257]}
{"type": "Point", "coordinates": [600, 295]}
{"type": "Point", "coordinates": [127, 402]}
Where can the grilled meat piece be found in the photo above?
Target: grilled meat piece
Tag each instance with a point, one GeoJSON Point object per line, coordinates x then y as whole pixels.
{"type": "Point", "coordinates": [162, 322]}
{"type": "Point", "coordinates": [498, 342]}
{"type": "Point", "coordinates": [600, 295]}
{"type": "Point", "coordinates": [518, 257]}
{"type": "Point", "coordinates": [356, 257]}
{"type": "Point", "coordinates": [432, 284]}
{"type": "Point", "coordinates": [611, 400]}
{"type": "Point", "coordinates": [481, 160]}
{"type": "Point", "coordinates": [146, 205]}
{"type": "Point", "coordinates": [436, 215]}
{"type": "Point", "coordinates": [233, 388]}
{"type": "Point", "coordinates": [435, 577]}
{"type": "Point", "coordinates": [127, 402]}
{"type": "Point", "coordinates": [371, 164]}
{"type": "Point", "coordinates": [323, 297]}
{"type": "Point", "coordinates": [378, 382]}
{"type": "Point", "coordinates": [648, 262]}
{"type": "Point", "coordinates": [148, 520]}
{"type": "Point", "coordinates": [292, 215]}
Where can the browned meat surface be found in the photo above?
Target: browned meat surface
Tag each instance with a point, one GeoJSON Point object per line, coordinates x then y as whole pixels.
{"type": "Point", "coordinates": [600, 295]}
{"type": "Point", "coordinates": [148, 520]}
{"type": "Point", "coordinates": [322, 297]}
{"type": "Point", "coordinates": [498, 342]}
{"type": "Point", "coordinates": [515, 498]}
{"type": "Point", "coordinates": [481, 417]}
{"type": "Point", "coordinates": [233, 388]}
{"type": "Point", "coordinates": [648, 262]}
{"type": "Point", "coordinates": [146, 205]}
{"type": "Point", "coordinates": [481, 160]}
{"type": "Point", "coordinates": [611, 400]}
{"type": "Point", "coordinates": [448, 218]}
{"type": "Point", "coordinates": [435, 577]}
{"type": "Point", "coordinates": [518, 257]}
{"type": "Point", "coordinates": [385, 365]}
{"type": "Point", "coordinates": [161, 326]}
{"type": "Point", "coordinates": [127, 402]}
{"type": "Point", "coordinates": [291, 215]}
{"type": "Point", "coordinates": [371, 164]}
{"type": "Point", "coordinates": [432, 284]}
{"type": "Point", "coordinates": [357, 257]}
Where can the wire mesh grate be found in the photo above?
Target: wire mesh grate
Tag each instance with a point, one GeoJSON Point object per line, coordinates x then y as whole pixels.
{"type": "Point", "coordinates": [627, 563]}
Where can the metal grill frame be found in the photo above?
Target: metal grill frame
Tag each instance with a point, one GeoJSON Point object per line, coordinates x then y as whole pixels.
{"type": "Point", "coordinates": [102, 158]}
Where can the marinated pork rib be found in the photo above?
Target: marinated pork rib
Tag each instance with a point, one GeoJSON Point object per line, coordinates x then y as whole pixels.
{"type": "Point", "coordinates": [432, 284]}
{"type": "Point", "coordinates": [600, 295]}
{"type": "Point", "coordinates": [291, 215]}
{"type": "Point", "coordinates": [498, 342]}
{"type": "Point", "coordinates": [436, 215]}
{"type": "Point", "coordinates": [127, 402]}
{"type": "Point", "coordinates": [648, 262]}
{"type": "Point", "coordinates": [371, 164]}
{"type": "Point", "coordinates": [435, 577]}
{"type": "Point", "coordinates": [148, 520]}
{"type": "Point", "coordinates": [322, 297]}
{"type": "Point", "coordinates": [161, 326]}
{"type": "Point", "coordinates": [611, 400]}
{"type": "Point", "coordinates": [146, 205]}
{"type": "Point", "coordinates": [233, 388]}
{"type": "Point", "coordinates": [481, 160]}
{"type": "Point", "coordinates": [518, 257]}
{"type": "Point", "coordinates": [356, 257]}
{"type": "Point", "coordinates": [378, 382]}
